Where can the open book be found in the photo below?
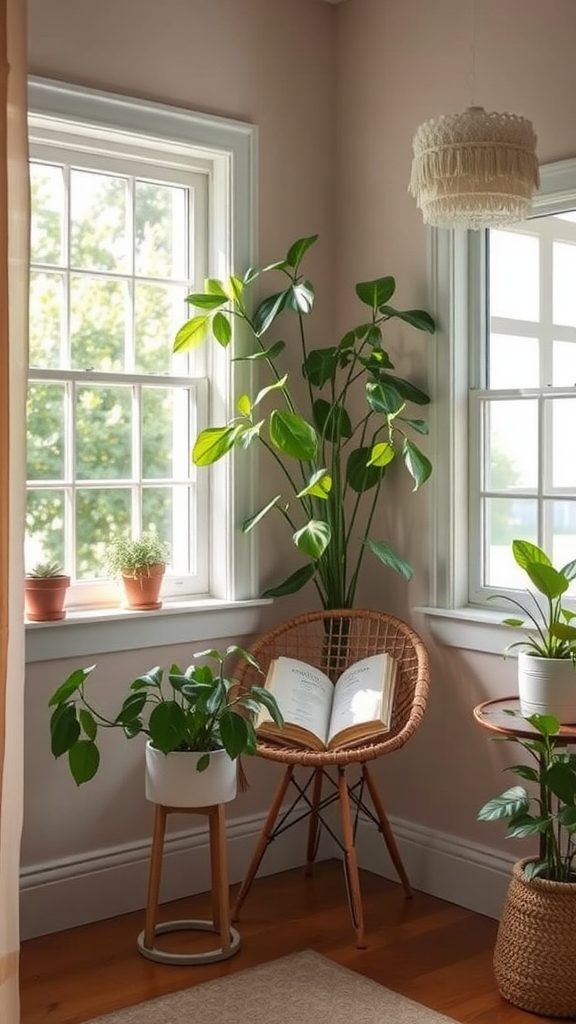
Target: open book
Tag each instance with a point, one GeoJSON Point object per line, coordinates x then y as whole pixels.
{"type": "Point", "coordinates": [324, 716]}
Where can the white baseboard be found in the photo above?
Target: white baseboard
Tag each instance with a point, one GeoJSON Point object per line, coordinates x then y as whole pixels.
{"type": "Point", "coordinates": [55, 896]}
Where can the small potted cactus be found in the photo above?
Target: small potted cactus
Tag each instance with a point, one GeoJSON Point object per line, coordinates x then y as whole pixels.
{"type": "Point", "coordinates": [45, 589]}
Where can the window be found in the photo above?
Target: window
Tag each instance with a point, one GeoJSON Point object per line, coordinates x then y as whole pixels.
{"type": "Point", "coordinates": [133, 205]}
{"type": "Point", "coordinates": [504, 408]}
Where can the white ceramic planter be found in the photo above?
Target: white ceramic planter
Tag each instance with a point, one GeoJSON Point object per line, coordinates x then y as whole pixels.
{"type": "Point", "coordinates": [547, 686]}
{"type": "Point", "coordinates": [173, 779]}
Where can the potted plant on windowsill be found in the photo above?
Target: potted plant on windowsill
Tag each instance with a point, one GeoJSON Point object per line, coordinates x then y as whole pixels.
{"type": "Point", "coordinates": [335, 443]}
{"type": "Point", "coordinates": [547, 655]}
{"type": "Point", "coordinates": [45, 589]}
{"type": "Point", "coordinates": [535, 948]}
{"type": "Point", "coordinates": [139, 563]}
{"type": "Point", "coordinates": [197, 726]}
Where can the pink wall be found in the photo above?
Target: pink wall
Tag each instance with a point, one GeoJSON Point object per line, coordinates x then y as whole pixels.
{"type": "Point", "coordinates": [337, 92]}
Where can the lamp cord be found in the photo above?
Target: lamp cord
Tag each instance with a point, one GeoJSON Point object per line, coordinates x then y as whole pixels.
{"type": "Point", "coordinates": [472, 72]}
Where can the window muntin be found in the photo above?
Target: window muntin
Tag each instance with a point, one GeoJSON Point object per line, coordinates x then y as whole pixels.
{"type": "Point", "coordinates": [116, 246]}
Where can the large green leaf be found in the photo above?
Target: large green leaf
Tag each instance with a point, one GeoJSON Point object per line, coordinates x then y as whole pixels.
{"type": "Point", "coordinates": [332, 421]}
{"type": "Point", "coordinates": [561, 780]}
{"type": "Point", "coordinates": [405, 388]}
{"type": "Point", "coordinates": [267, 312]}
{"type": "Point", "coordinates": [300, 297]}
{"type": "Point", "coordinates": [206, 301]}
{"type": "Point", "coordinates": [298, 249]}
{"type": "Point", "coordinates": [384, 398]}
{"type": "Point", "coordinates": [222, 329]}
{"type": "Point", "coordinates": [376, 293]}
{"type": "Point", "coordinates": [513, 801]}
{"type": "Point", "coordinates": [192, 333]}
{"type": "Point", "coordinates": [234, 733]}
{"type": "Point", "coordinates": [524, 553]}
{"type": "Point", "coordinates": [268, 353]}
{"type": "Point", "coordinates": [64, 729]}
{"type": "Point", "coordinates": [360, 475]}
{"type": "Point", "coordinates": [213, 443]}
{"type": "Point", "coordinates": [70, 685]}
{"type": "Point", "coordinates": [313, 539]}
{"type": "Point", "coordinates": [167, 725]}
{"type": "Point", "coordinates": [382, 453]}
{"type": "Point", "coordinates": [83, 759]}
{"type": "Point", "coordinates": [252, 521]}
{"type": "Point", "coordinates": [546, 579]}
{"type": "Point", "coordinates": [292, 583]}
{"type": "Point", "coordinates": [417, 464]}
{"type": "Point", "coordinates": [415, 317]}
{"type": "Point", "coordinates": [320, 366]}
{"type": "Point", "coordinates": [319, 485]}
{"type": "Point", "coordinates": [132, 708]}
{"type": "Point", "coordinates": [388, 557]}
{"type": "Point", "coordinates": [291, 434]}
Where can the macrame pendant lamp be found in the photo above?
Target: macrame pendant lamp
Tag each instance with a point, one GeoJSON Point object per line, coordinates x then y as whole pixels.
{"type": "Point", "coordinates": [474, 170]}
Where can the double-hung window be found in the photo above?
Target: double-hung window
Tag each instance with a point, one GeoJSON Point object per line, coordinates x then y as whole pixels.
{"type": "Point", "coordinates": [505, 388]}
{"type": "Point", "coordinates": [133, 206]}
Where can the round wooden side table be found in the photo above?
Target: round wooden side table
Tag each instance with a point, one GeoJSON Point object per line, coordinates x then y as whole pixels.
{"type": "Point", "coordinates": [501, 716]}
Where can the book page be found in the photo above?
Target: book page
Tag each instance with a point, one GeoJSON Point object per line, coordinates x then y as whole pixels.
{"type": "Point", "coordinates": [362, 694]}
{"type": "Point", "coordinates": [304, 694]}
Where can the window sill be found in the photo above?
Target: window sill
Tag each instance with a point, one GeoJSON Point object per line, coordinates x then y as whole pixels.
{"type": "Point", "coordinates": [471, 629]}
{"type": "Point", "coordinates": [103, 631]}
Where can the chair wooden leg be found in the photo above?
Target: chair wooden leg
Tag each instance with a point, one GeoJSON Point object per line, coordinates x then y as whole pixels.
{"type": "Point", "coordinates": [387, 832]}
{"type": "Point", "coordinates": [219, 875]}
{"type": "Point", "coordinates": [154, 875]}
{"type": "Point", "coordinates": [313, 823]}
{"type": "Point", "coordinates": [350, 861]}
{"type": "Point", "coordinates": [263, 840]}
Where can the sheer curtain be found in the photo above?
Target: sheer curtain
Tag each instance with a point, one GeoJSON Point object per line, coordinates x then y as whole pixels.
{"type": "Point", "coordinates": [14, 227]}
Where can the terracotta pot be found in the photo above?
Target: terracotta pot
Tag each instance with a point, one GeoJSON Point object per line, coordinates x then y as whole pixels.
{"type": "Point", "coordinates": [44, 597]}
{"type": "Point", "coordinates": [173, 780]}
{"type": "Point", "coordinates": [535, 948]}
{"type": "Point", "coordinates": [143, 592]}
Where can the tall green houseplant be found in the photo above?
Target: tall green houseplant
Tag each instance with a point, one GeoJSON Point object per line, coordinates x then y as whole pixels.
{"type": "Point", "coordinates": [334, 453]}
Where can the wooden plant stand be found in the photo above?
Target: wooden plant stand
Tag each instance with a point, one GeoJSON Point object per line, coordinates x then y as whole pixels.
{"type": "Point", "coordinates": [220, 923]}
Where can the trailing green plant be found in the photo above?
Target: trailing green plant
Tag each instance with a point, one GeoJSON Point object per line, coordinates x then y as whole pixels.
{"type": "Point", "coordinates": [554, 636]}
{"type": "Point", "coordinates": [549, 813]}
{"type": "Point", "coordinates": [45, 570]}
{"type": "Point", "coordinates": [197, 710]}
{"type": "Point", "coordinates": [127, 556]}
{"type": "Point", "coordinates": [334, 455]}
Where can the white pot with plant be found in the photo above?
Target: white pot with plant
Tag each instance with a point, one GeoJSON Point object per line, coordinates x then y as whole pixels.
{"type": "Point", "coordinates": [197, 724]}
{"type": "Point", "coordinates": [535, 948]}
{"type": "Point", "coordinates": [547, 654]}
{"type": "Point", "coordinates": [139, 563]}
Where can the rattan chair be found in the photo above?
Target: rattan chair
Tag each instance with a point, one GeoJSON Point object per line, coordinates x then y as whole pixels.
{"type": "Point", "coordinates": [332, 640]}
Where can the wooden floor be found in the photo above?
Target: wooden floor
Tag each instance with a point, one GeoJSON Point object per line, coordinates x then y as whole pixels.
{"type": "Point", "coordinates": [434, 952]}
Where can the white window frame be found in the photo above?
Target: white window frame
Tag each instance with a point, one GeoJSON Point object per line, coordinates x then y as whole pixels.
{"type": "Point", "coordinates": [456, 262]}
{"type": "Point", "coordinates": [228, 149]}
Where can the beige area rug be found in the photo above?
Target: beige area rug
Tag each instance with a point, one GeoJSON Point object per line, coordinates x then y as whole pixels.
{"type": "Point", "coordinates": [303, 988]}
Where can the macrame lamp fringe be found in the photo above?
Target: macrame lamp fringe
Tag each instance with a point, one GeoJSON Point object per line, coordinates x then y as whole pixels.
{"type": "Point", "coordinates": [474, 170]}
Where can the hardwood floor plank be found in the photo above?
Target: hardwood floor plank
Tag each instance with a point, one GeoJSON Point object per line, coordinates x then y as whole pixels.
{"type": "Point", "coordinates": [434, 952]}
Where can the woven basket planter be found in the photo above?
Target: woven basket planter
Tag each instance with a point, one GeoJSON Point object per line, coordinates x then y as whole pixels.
{"type": "Point", "coordinates": [535, 953]}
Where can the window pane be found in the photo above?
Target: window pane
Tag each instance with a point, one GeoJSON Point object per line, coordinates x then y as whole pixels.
{"type": "Point", "coordinates": [563, 434]}
{"type": "Point", "coordinates": [506, 520]}
{"type": "Point", "coordinates": [165, 432]}
{"type": "Point", "coordinates": [47, 213]}
{"type": "Point", "coordinates": [514, 275]}
{"type": "Point", "coordinates": [161, 231]}
{"type": "Point", "coordinates": [564, 364]}
{"type": "Point", "coordinates": [512, 454]}
{"type": "Point", "coordinates": [98, 229]}
{"type": "Point", "coordinates": [169, 511]}
{"type": "Point", "coordinates": [45, 443]}
{"type": "Point", "coordinates": [45, 322]}
{"type": "Point", "coordinates": [514, 362]}
{"type": "Point", "coordinates": [563, 294]}
{"type": "Point", "coordinates": [159, 311]}
{"type": "Point", "coordinates": [100, 513]}
{"type": "Point", "coordinates": [97, 323]}
{"type": "Point", "coordinates": [44, 527]}
{"type": "Point", "coordinates": [563, 535]}
{"type": "Point", "coordinates": [103, 433]}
